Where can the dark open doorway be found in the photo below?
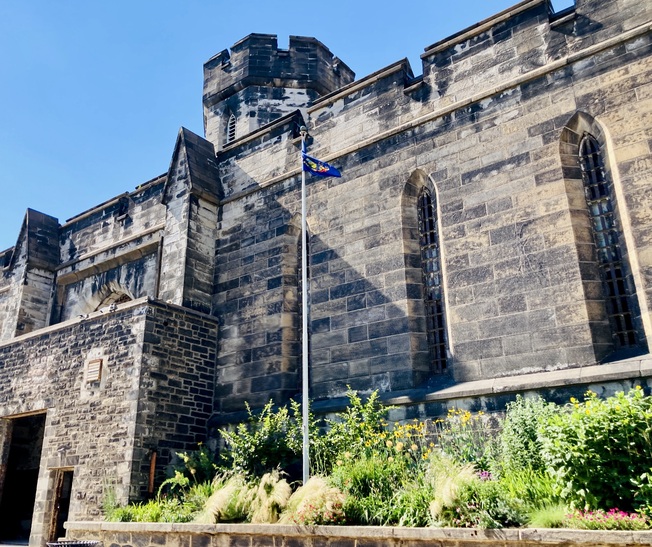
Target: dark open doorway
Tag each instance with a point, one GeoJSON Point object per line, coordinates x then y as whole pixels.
{"type": "Point", "coordinates": [18, 491]}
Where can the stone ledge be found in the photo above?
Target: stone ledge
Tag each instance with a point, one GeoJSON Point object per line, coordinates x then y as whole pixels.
{"type": "Point", "coordinates": [105, 531]}
{"type": "Point", "coordinates": [627, 369]}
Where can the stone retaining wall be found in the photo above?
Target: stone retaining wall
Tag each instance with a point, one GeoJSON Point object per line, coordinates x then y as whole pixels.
{"type": "Point", "coordinates": [117, 534]}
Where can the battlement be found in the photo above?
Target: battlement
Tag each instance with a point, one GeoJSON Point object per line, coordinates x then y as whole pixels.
{"type": "Point", "coordinates": [257, 60]}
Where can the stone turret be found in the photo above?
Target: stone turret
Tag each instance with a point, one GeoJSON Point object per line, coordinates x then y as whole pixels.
{"type": "Point", "coordinates": [256, 83]}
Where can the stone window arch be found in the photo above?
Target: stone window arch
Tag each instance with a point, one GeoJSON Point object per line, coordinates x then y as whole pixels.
{"type": "Point", "coordinates": [619, 292]}
{"type": "Point", "coordinates": [607, 277]}
{"type": "Point", "coordinates": [114, 298]}
{"type": "Point", "coordinates": [423, 266]}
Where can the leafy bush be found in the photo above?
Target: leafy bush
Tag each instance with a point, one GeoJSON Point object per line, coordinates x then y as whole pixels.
{"type": "Point", "coordinates": [483, 504]}
{"type": "Point", "coordinates": [352, 431]}
{"type": "Point", "coordinates": [468, 437]}
{"type": "Point", "coordinates": [520, 447]}
{"type": "Point", "coordinates": [268, 441]}
{"type": "Point", "coordinates": [593, 450]}
{"type": "Point", "coordinates": [158, 510]}
{"type": "Point", "coordinates": [370, 483]}
{"type": "Point", "coordinates": [198, 466]}
{"type": "Point", "coordinates": [613, 519]}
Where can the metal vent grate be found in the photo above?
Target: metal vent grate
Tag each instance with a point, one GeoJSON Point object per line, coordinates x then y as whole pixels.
{"type": "Point", "coordinates": [94, 370]}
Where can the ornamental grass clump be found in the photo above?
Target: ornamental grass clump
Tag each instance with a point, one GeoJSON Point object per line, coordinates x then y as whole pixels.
{"type": "Point", "coordinates": [230, 502]}
{"type": "Point", "coordinates": [270, 498]}
{"type": "Point", "coordinates": [315, 503]}
{"type": "Point", "coordinates": [466, 498]}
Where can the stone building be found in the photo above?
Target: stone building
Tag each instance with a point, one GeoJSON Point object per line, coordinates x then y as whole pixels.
{"type": "Point", "coordinates": [491, 234]}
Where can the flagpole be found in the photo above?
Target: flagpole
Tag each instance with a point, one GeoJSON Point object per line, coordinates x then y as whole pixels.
{"type": "Point", "coordinates": [304, 309]}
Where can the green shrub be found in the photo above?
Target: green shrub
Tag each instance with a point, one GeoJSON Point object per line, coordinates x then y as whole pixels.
{"type": "Point", "coordinates": [468, 437]}
{"type": "Point", "coordinates": [597, 449]}
{"type": "Point", "coordinates": [273, 438]}
{"type": "Point", "coordinates": [370, 483]}
{"type": "Point", "coordinates": [354, 430]}
{"type": "Point", "coordinates": [483, 504]}
{"type": "Point", "coordinates": [198, 466]}
{"type": "Point", "coordinates": [268, 441]}
{"type": "Point", "coordinates": [158, 510]}
{"type": "Point", "coordinates": [520, 447]}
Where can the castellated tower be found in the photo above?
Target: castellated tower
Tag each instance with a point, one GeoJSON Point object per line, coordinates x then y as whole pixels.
{"type": "Point", "coordinates": [256, 83]}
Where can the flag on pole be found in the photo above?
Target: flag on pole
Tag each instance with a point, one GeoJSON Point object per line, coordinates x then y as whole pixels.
{"type": "Point", "coordinates": [318, 167]}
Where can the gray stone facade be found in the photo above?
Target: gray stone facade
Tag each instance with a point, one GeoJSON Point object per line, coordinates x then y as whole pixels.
{"type": "Point", "coordinates": [459, 259]}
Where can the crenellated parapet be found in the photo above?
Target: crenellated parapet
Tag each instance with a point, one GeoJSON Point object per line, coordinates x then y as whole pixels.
{"type": "Point", "coordinates": [256, 82]}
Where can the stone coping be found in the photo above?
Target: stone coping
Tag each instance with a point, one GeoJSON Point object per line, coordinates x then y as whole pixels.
{"type": "Point", "coordinates": [559, 536]}
{"type": "Point", "coordinates": [142, 301]}
{"type": "Point", "coordinates": [627, 369]}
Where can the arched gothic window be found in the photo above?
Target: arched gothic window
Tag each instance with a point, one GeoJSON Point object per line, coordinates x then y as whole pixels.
{"type": "Point", "coordinates": [619, 294]}
{"type": "Point", "coordinates": [432, 279]}
{"type": "Point", "coordinates": [230, 128]}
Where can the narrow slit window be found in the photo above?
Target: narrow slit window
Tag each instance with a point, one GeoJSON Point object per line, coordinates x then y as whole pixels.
{"type": "Point", "coordinates": [618, 293]}
{"type": "Point", "coordinates": [432, 281]}
{"type": "Point", "coordinates": [230, 129]}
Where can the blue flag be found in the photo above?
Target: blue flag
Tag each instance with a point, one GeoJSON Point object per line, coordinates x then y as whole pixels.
{"type": "Point", "coordinates": [318, 167]}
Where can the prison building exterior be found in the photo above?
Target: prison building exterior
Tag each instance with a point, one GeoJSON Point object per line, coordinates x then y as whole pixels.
{"type": "Point", "coordinates": [491, 234]}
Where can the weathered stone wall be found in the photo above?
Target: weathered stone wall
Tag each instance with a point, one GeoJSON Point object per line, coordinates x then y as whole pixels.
{"type": "Point", "coordinates": [110, 250]}
{"type": "Point", "coordinates": [113, 222]}
{"type": "Point", "coordinates": [484, 131]}
{"type": "Point", "coordinates": [175, 399]}
{"type": "Point", "coordinates": [256, 300]}
{"type": "Point", "coordinates": [28, 276]}
{"type": "Point", "coordinates": [191, 198]}
{"type": "Point", "coordinates": [154, 394]}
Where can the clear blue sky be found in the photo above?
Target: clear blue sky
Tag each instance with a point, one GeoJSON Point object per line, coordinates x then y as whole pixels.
{"type": "Point", "coordinates": [92, 93]}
